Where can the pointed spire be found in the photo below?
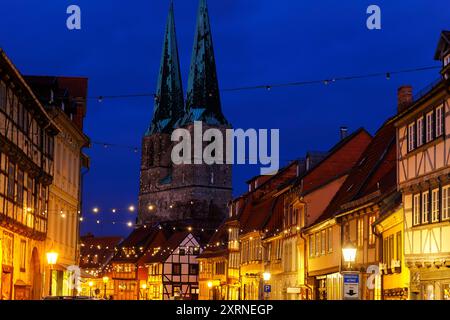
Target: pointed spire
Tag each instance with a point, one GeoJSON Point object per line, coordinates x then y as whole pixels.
{"type": "Point", "coordinates": [203, 97]}
{"type": "Point", "coordinates": [169, 102]}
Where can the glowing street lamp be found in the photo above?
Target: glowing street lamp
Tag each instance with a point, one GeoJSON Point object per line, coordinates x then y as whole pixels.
{"type": "Point", "coordinates": [349, 254]}
{"type": "Point", "coordinates": [105, 282]}
{"type": "Point", "coordinates": [144, 288]}
{"type": "Point", "coordinates": [90, 284]}
{"type": "Point", "coordinates": [267, 276]}
{"type": "Point", "coordinates": [131, 208]}
{"type": "Point", "coordinates": [52, 258]}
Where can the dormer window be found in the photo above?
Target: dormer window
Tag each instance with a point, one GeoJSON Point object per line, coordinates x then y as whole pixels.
{"type": "Point", "coordinates": [447, 60]}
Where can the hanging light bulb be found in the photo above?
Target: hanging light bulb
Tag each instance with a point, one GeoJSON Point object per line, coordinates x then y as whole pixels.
{"type": "Point", "coordinates": [388, 76]}
{"type": "Point", "coordinates": [100, 99]}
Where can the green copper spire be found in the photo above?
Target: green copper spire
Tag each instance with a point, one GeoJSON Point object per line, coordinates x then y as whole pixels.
{"type": "Point", "coordinates": [169, 102]}
{"type": "Point", "coordinates": [203, 97]}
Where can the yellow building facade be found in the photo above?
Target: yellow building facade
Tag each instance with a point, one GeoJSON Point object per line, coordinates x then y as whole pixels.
{"type": "Point", "coordinates": [395, 273]}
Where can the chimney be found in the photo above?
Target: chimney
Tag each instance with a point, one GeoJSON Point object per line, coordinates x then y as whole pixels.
{"type": "Point", "coordinates": [404, 98]}
{"type": "Point", "coordinates": [343, 132]}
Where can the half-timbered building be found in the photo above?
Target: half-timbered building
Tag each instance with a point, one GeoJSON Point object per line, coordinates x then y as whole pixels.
{"type": "Point", "coordinates": [423, 131]}
{"type": "Point", "coordinates": [173, 268]}
{"type": "Point", "coordinates": [26, 170]}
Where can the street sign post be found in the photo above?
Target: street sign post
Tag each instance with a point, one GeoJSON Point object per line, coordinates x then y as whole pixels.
{"type": "Point", "coordinates": [267, 288]}
{"type": "Point", "coordinates": [351, 286]}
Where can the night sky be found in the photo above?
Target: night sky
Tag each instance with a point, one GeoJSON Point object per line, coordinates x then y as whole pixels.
{"type": "Point", "coordinates": [255, 41]}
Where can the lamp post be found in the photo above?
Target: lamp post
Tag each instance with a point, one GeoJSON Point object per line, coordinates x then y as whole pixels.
{"type": "Point", "coordinates": [349, 254]}
{"type": "Point", "coordinates": [105, 283]}
{"type": "Point", "coordinates": [266, 277]}
{"type": "Point", "coordinates": [210, 285]}
{"type": "Point", "coordinates": [351, 279]}
{"type": "Point", "coordinates": [52, 258]}
{"type": "Point", "coordinates": [144, 289]}
{"type": "Point", "coordinates": [90, 284]}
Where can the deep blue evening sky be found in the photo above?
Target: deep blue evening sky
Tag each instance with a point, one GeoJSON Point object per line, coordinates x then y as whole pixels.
{"type": "Point", "coordinates": [256, 41]}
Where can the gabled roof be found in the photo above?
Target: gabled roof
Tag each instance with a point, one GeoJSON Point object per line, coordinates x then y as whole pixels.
{"type": "Point", "coordinates": [443, 45]}
{"type": "Point", "coordinates": [338, 161]}
{"type": "Point", "coordinates": [166, 250]}
{"type": "Point", "coordinates": [375, 172]}
{"type": "Point", "coordinates": [137, 243]}
{"type": "Point", "coordinates": [102, 247]}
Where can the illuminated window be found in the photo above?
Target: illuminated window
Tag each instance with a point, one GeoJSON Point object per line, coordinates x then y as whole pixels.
{"type": "Point", "coordinates": [311, 245]}
{"type": "Point", "coordinates": [360, 232]}
{"type": "Point", "coordinates": [371, 234]}
{"type": "Point", "coordinates": [416, 209]}
{"type": "Point", "coordinates": [446, 203]}
{"type": "Point", "coordinates": [435, 205]}
{"type": "Point", "coordinates": [420, 132]}
{"type": "Point", "coordinates": [411, 136]}
{"type": "Point", "coordinates": [425, 206]}
{"type": "Point", "coordinates": [330, 239]}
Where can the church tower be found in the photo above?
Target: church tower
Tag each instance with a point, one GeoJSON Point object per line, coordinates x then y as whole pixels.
{"type": "Point", "coordinates": [195, 194]}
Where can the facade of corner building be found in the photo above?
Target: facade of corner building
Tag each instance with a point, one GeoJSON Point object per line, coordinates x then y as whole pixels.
{"type": "Point", "coordinates": [319, 178]}
{"type": "Point", "coordinates": [219, 262]}
{"type": "Point", "coordinates": [26, 172]}
{"type": "Point", "coordinates": [263, 203]}
{"type": "Point", "coordinates": [157, 262]}
{"type": "Point", "coordinates": [394, 272]}
{"type": "Point", "coordinates": [348, 219]}
{"type": "Point", "coordinates": [423, 128]}
{"type": "Point", "coordinates": [172, 269]}
{"type": "Point", "coordinates": [65, 100]}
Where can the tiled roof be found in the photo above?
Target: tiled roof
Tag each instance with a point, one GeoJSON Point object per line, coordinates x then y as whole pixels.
{"type": "Point", "coordinates": [166, 250]}
{"type": "Point", "coordinates": [137, 243]}
{"type": "Point", "coordinates": [102, 247]}
{"type": "Point", "coordinates": [339, 160]}
{"type": "Point", "coordinates": [375, 170]}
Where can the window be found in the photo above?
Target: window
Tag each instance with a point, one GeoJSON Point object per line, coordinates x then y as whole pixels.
{"type": "Point", "coordinates": [399, 246]}
{"type": "Point", "coordinates": [311, 245]}
{"type": "Point", "coordinates": [371, 234]}
{"type": "Point", "coordinates": [20, 188]}
{"type": "Point", "coordinates": [435, 205]}
{"type": "Point", "coordinates": [439, 121]}
{"type": "Point", "coordinates": [220, 268]}
{"type": "Point", "coordinates": [23, 255]}
{"type": "Point", "coordinates": [330, 239]}
{"type": "Point", "coordinates": [446, 203]}
{"type": "Point", "coordinates": [2, 96]}
{"type": "Point", "coordinates": [429, 128]}
{"type": "Point", "coordinates": [416, 209]}
{"type": "Point", "coordinates": [176, 268]}
{"type": "Point", "coordinates": [295, 216]}
{"type": "Point", "coordinates": [411, 136]}
{"type": "Point", "coordinates": [323, 241]}
{"type": "Point", "coordinates": [182, 251]}
{"type": "Point", "coordinates": [360, 232]}
{"type": "Point", "coordinates": [317, 244]}
{"type": "Point", "coordinates": [420, 132]}
{"type": "Point", "coordinates": [193, 269]}
{"type": "Point", "coordinates": [10, 191]}
{"type": "Point", "coordinates": [425, 206]}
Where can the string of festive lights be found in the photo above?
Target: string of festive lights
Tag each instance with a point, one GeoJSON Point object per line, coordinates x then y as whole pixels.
{"type": "Point", "coordinates": [269, 86]}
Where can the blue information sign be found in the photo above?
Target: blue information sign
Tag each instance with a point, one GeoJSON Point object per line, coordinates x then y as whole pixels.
{"type": "Point", "coordinates": [267, 288]}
